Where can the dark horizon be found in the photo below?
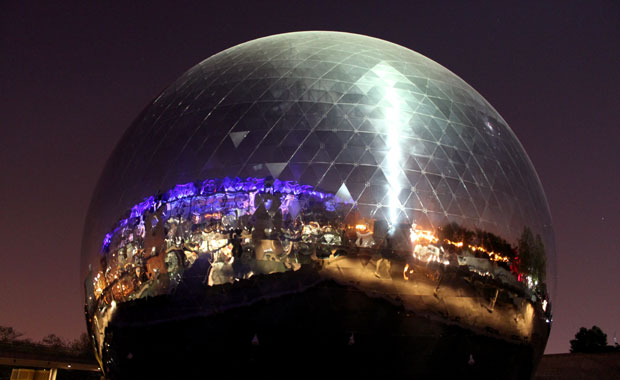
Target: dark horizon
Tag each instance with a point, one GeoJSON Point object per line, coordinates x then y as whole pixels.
{"type": "Point", "coordinates": [75, 76]}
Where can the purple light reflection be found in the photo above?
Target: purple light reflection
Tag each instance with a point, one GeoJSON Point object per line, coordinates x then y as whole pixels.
{"type": "Point", "coordinates": [216, 196]}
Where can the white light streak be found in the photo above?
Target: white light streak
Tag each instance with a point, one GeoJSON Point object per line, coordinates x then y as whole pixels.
{"type": "Point", "coordinates": [393, 129]}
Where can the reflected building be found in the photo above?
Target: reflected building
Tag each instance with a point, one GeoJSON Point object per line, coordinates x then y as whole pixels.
{"type": "Point", "coordinates": [319, 203]}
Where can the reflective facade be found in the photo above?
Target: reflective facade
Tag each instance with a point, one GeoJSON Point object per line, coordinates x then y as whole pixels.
{"type": "Point", "coordinates": [327, 175]}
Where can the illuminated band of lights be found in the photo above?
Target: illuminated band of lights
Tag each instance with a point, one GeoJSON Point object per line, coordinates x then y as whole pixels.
{"type": "Point", "coordinates": [215, 191]}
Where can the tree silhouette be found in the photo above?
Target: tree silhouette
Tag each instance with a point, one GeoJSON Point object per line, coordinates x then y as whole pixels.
{"type": "Point", "coordinates": [82, 345]}
{"type": "Point", "coordinates": [8, 334]}
{"type": "Point", "coordinates": [456, 233]}
{"type": "Point", "coordinates": [489, 241]}
{"type": "Point", "coordinates": [492, 242]}
{"type": "Point", "coordinates": [532, 259]}
{"type": "Point", "coordinates": [589, 340]}
{"type": "Point", "coordinates": [53, 340]}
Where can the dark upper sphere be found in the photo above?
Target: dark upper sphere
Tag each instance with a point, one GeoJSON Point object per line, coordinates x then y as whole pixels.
{"type": "Point", "coordinates": [409, 140]}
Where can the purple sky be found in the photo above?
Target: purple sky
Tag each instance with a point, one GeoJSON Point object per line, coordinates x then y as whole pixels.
{"type": "Point", "coordinates": [73, 77]}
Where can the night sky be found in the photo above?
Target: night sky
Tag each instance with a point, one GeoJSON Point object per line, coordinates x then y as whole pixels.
{"type": "Point", "coordinates": [74, 75]}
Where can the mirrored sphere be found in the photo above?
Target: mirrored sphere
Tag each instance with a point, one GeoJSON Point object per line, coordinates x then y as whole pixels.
{"type": "Point", "coordinates": [318, 200]}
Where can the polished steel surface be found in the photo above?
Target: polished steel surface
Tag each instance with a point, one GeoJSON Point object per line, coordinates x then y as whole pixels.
{"type": "Point", "coordinates": [367, 162]}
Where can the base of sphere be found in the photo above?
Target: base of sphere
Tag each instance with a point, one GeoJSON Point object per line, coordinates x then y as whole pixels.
{"type": "Point", "coordinates": [327, 330]}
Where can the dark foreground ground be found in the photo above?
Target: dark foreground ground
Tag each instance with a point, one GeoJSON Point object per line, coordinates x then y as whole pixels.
{"type": "Point", "coordinates": [602, 366]}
